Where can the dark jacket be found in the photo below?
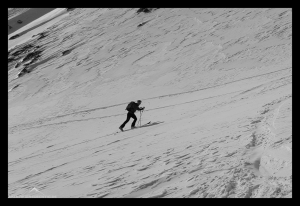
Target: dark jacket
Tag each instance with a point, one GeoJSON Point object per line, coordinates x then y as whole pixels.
{"type": "Point", "coordinates": [135, 107]}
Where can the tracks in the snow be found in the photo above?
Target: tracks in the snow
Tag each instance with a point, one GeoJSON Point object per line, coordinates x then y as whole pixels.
{"type": "Point", "coordinates": [31, 124]}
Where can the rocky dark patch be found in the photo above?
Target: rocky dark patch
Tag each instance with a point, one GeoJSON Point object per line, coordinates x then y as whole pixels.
{"type": "Point", "coordinates": [24, 55]}
{"type": "Point", "coordinates": [16, 86]}
{"type": "Point", "coordinates": [22, 50]}
{"type": "Point", "coordinates": [32, 55]}
{"type": "Point", "coordinates": [146, 10]}
{"type": "Point", "coordinates": [64, 53]}
{"type": "Point", "coordinates": [141, 24]}
{"type": "Point", "coordinates": [70, 9]}
{"type": "Point", "coordinates": [41, 35]}
{"type": "Point", "coordinates": [14, 37]}
{"type": "Point", "coordinates": [18, 53]}
{"type": "Point", "coordinates": [23, 72]}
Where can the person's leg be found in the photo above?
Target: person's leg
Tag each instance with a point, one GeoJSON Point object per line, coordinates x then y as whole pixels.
{"type": "Point", "coordinates": [134, 121]}
{"type": "Point", "coordinates": [127, 119]}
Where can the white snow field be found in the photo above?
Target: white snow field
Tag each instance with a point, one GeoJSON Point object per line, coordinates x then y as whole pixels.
{"type": "Point", "coordinates": [216, 84]}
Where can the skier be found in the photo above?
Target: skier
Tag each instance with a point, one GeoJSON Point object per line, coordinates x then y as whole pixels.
{"type": "Point", "coordinates": [131, 108]}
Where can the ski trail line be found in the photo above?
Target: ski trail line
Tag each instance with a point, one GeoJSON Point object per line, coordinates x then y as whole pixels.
{"type": "Point", "coordinates": [167, 95]}
{"type": "Point", "coordinates": [276, 114]}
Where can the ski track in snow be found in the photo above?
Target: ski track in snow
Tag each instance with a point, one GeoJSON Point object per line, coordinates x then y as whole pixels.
{"type": "Point", "coordinates": [216, 84]}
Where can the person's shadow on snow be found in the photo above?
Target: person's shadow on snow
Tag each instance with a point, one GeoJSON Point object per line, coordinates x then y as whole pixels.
{"type": "Point", "coordinates": [151, 124]}
{"type": "Point", "coordinates": [145, 125]}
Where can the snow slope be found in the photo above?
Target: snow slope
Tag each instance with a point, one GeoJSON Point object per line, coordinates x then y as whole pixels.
{"type": "Point", "coordinates": [216, 84]}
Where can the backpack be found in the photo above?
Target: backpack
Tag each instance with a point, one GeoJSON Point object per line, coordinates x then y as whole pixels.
{"type": "Point", "coordinates": [129, 106]}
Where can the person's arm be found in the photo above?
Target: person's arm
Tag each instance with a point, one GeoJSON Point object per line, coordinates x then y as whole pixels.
{"type": "Point", "coordinates": [140, 108]}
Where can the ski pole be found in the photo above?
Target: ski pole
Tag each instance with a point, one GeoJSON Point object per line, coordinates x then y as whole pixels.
{"type": "Point", "coordinates": [140, 118]}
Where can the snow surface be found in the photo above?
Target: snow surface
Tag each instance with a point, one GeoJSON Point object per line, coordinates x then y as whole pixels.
{"type": "Point", "coordinates": [216, 84]}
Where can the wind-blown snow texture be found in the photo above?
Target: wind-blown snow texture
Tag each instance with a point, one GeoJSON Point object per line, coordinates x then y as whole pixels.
{"type": "Point", "coordinates": [216, 83]}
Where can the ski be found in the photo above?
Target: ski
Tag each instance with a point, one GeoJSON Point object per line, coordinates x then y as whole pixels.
{"type": "Point", "coordinates": [134, 128]}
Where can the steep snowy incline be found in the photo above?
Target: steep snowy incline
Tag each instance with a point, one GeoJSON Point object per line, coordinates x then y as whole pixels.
{"type": "Point", "coordinates": [216, 84]}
